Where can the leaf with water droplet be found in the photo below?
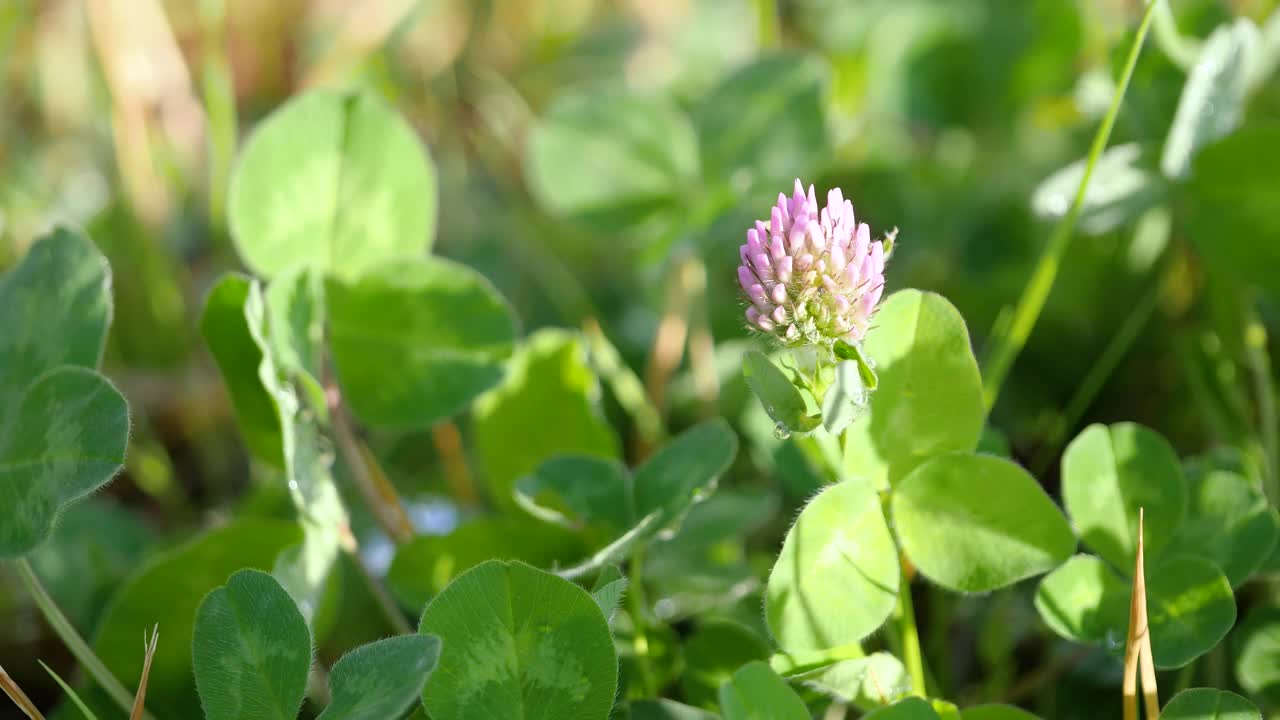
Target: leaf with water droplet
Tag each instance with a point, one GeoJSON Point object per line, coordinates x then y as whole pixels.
{"type": "Point", "coordinates": [779, 396]}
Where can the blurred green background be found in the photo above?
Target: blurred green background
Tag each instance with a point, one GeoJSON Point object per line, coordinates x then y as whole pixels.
{"type": "Point", "coordinates": [600, 160]}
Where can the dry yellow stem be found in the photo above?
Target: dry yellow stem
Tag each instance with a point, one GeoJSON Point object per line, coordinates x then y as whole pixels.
{"type": "Point", "coordinates": [18, 697]}
{"type": "Point", "coordinates": [149, 650]}
{"type": "Point", "coordinates": [1137, 650]}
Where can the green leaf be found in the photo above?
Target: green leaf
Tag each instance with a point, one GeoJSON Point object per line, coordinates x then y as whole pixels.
{"type": "Point", "coordinates": [683, 470]}
{"type": "Point", "coordinates": [867, 682]}
{"type": "Point", "coordinates": [546, 405]}
{"type": "Point", "coordinates": [846, 397]}
{"type": "Point", "coordinates": [608, 589]}
{"type": "Point", "coordinates": [278, 429]}
{"type": "Point", "coordinates": [1213, 98]}
{"type": "Point", "coordinates": [1086, 601]}
{"type": "Point", "coordinates": [572, 490]}
{"type": "Point", "coordinates": [1209, 704]}
{"type": "Point", "coordinates": [382, 679]}
{"type": "Point", "coordinates": [62, 439]}
{"type": "Point", "coordinates": [1229, 522]}
{"type": "Point", "coordinates": [1256, 646]}
{"type": "Point", "coordinates": [912, 708]}
{"type": "Point", "coordinates": [425, 565]}
{"type": "Point", "coordinates": [167, 591]}
{"type": "Point", "coordinates": [663, 489]}
{"type": "Point", "coordinates": [332, 181]}
{"type": "Point", "coordinates": [1108, 472]}
{"type": "Point", "coordinates": [1230, 205]}
{"type": "Point", "coordinates": [976, 523]}
{"type": "Point", "coordinates": [519, 642]}
{"type": "Point", "coordinates": [836, 579]}
{"type": "Point", "coordinates": [929, 399]}
{"type": "Point", "coordinates": [757, 693]}
{"type": "Point", "coordinates": [79, 570]}
{"type": "Point", "coordinates": [663, 709]}
{"type": "Point", "coordinates": [1120, 189]}
{"type": "Point", "coordinates": [295, 314]}
{"type": "Point", "coordinates": [1190, 608]}
{"type": "Point", "coordinates": [716, 649]}
{"type": "Point", "coordinates": [779, 396]}
{"type": "Point", "coordinates": [416, 341]}
{"type": "Point", "coordinates": [996, 712]}
{"type": "Point", "coordinates": [611, 155]}
{"type": "Point", "coordinates": [765, 123]}
{"type": "Point", "coordinates": [55, 307]}
{"type": "Point", "coordinates": [251, 652]}
{"type": "Point", "coordinates": [226, 330]}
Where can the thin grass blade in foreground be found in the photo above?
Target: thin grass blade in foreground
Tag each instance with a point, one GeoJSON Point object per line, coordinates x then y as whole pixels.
{"type": "Point", "coordinates": [18, 697]}
{"type": "Point", "coordinates": [75, 699]}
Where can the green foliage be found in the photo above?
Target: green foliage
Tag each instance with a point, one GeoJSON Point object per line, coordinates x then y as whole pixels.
{"type": "Point", "coordinates": [240, 356]}
{"type": "Point", "coordinates": [866, 682]}
{"type": "Point", "coordinates": [401, 327]}
{"type": "Point", "coordinates": [1108, 473]}
{"type": "Point", "coordinates": [1256, 643]}
{"type": "Point", "coordinates": [756, 693]}
{"type": "Point", "coordinates": [519, 642]}
{"type": "Point", "coordinates": [779, 395]}
{"type": "Point", "coordinates": [588, 550]}
{"type": "Point", "coordinates": [545, 406]}
{"type": "Point", "coordinates": [1209, 704]}
{"type": "Point", "coordinates": [425, 565]}
{"type": "Point", "coordinates": [765, 123]}
{"type": "Point", "coordinates": [63, 427]}
{"type": "Point", "coordinates": [611, 156]}
{"type": "Point", "coordinates": [929, 399]}
{"type": "Point", "coordinates": [839, 547]}
{"type": "Point", "coordinates": [975, 523]}
{"type": "Point", "coordinates": [1229, 522]}
{"type": "Point", "coordinates": [251, 651]}
{"type": "Point", "coordinates": [912, 708]}
{"type": "Point", "coordinates": [382, 679]}
{"type": "Point", "coordinates": [166, 591]}
{"type": "Point", "coordinates": [332, 181]}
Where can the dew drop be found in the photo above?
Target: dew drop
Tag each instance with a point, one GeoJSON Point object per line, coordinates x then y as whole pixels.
{"type": "Point", "coordinates": [781, 431]}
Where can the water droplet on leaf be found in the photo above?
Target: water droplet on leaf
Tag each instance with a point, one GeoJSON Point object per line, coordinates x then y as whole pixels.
{"type": "Point", "coordinates": [782, 432]}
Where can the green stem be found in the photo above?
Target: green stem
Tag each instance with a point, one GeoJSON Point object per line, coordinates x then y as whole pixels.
{"type": "Point", "coordinates": [71, 638]}
{"type": "Point", "coordinates": [1027, 311]}
{"type": "Point", "coordinates": [911, 655]}
{"type": "Point", "coordinates": [640, 638]}
{"type": "Point", "coordinates": [1255, 345]}
{"type": "Point", "coordinates": [386, 605]}
{"type": "Point", "coordinates": [770, 32]}
{"type": "Point", "coordinates": [1092, 384]}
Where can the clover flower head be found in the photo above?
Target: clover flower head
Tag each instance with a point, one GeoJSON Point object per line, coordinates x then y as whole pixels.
{"type": "Point", "coordinates": [812, 276]}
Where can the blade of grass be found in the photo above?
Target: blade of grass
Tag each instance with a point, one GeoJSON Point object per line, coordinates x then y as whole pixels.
{"type": "Point", "coordinates": [71, 638]}
{"type": "Point", "coordinates": [70, 693]}
{"type": "Point", "coordinates": [149, 652]}
{"type": "Point", "coordinates": [1027, 311]}
{"type": "Point", "coordinates": [18, 697]}
{"type": "Point", "coordinates": [1255, 348]}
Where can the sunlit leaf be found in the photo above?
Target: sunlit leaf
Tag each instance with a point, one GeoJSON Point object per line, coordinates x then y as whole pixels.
{"type": "Point", "coordinates": [332, 181]}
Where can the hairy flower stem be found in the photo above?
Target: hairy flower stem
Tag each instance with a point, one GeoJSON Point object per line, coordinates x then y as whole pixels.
{"type": "Point", "coordinates": [1027, 312]}
{"type": "Point", "coordinates": [71, 638]}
